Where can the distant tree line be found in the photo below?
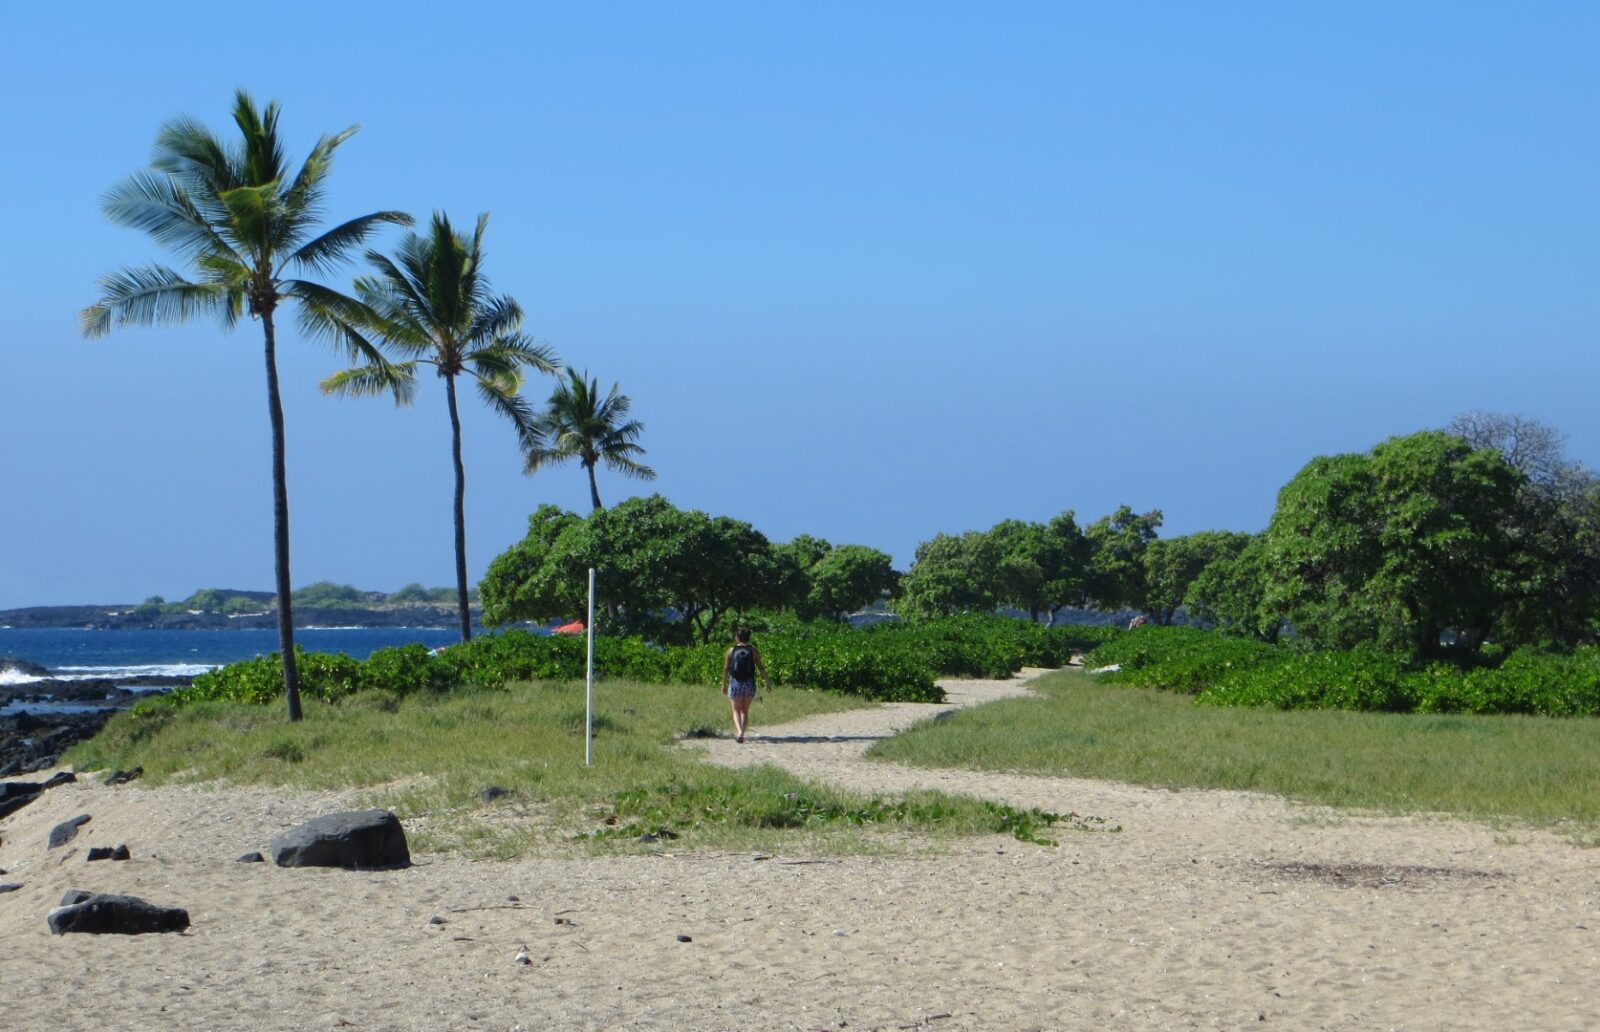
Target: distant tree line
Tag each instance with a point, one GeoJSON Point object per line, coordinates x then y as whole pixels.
{"type": "Point", "coordinates": [322, 595]}
{"type": "Point", "coordinates": [1440, 540]}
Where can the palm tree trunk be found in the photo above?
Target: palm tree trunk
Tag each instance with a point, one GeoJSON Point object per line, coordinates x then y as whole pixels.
{"type": "Point", "coordinates": [460, 511]}
{"type": "Point", "coordinates": [280, 525]}
{"type": "Point", "coordinates": [594, 490]}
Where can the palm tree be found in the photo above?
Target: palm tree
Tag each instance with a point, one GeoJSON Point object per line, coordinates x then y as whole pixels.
{"type": "Point", "coordinates": [431, 305]}
{"type": "Point", "coordinates": [236, 214]}
{"type": "Point", "coordinates": [580, 425]}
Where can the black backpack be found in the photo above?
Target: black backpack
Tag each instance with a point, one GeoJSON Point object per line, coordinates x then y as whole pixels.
{"type": "Point", "coordinates": [742, 665]}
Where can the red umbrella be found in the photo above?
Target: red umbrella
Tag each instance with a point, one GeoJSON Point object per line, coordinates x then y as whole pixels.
{"type": "Point", "coordinates": [575, 627]}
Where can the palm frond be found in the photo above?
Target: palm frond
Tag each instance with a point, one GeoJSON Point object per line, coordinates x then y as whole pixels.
{"type": "Point", "coordinates": [334, 248]}
{"type": "Point", "coordinates": [155, 204]}
{"type": "Point", "coordinates": [627, 466]}
{"type": "Point", "coordinates": [510, 405]}
{"type": "Point", "coordinates": [152, 295]}
{"type": "Point", "coordinates": [397, 379]}
{"type": "Point", "coordinates": [202, 166]}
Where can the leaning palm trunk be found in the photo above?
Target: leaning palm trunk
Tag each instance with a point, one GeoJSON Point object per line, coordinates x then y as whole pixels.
{"type": "Point", "coordinates": [280, 525]}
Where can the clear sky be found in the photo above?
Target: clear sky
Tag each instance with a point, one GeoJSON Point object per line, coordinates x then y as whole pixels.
{"type": "Point", "coordinates": [869, 271]}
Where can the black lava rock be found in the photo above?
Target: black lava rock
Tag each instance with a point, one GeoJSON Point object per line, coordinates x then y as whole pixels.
{"type": "Point", "coordinates": [106, 914]}
{"type": "Point", "coordinates": [9, 887]}
{"type": "Point", "coordinates": [251, 858]}
{"type": "Point", "coordinates": [493, 792]}
{"type": "Point", "coordinates": [107, 853]}
{"type": "Point", "coordinates": [74, 896]}
{"type": "Point", "coordinates": [356, 840]}
{"type": "Point", "coordinates": [66, 831]}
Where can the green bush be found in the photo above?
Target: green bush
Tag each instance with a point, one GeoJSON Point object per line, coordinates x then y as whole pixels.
{"type": "Point", "coordinates": [1179, 659]}
{"type": "Point", "coordinates": [1353, 680]}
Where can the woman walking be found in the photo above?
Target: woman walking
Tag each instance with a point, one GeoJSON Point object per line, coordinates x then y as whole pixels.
{"type": "Point", "coordinates": [740, 666]}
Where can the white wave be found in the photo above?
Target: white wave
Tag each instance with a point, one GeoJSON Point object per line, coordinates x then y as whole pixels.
{"type": "Point", "coordinates": [11, 675]}
{"type": "Point", "coordinates": [85, 673]}
{"type": "Point", "coordinates": [353, 627]}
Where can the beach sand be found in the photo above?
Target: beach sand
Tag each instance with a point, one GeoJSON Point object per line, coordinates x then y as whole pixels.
{"type": "Point", "coordinates": [1208, 910]}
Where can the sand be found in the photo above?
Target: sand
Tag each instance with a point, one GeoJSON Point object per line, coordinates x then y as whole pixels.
{"type": "Point", "coordinates": [1208, 910]}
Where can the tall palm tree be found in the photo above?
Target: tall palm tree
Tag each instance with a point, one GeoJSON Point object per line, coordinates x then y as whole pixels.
{"type": "Point", "coordinates": [239, 217]}
{"type": "Point", "coordinates": [431, 305]}
{"type": "Point", "coordinates": [581, 425]}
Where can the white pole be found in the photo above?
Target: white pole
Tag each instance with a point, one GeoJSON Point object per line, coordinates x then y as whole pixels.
{"type": "Point", "coordinates": [588, 700]}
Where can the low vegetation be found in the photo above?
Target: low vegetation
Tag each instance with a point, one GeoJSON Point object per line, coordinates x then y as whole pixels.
{"type": "Point", "coordinates": [1225, 671]}
{"type": "Point", "coordinates": [1475, 766]}
{"type": "Point", "coordinates": [890, 663]}
{"type": "Point", "coordinates": [430, 756]}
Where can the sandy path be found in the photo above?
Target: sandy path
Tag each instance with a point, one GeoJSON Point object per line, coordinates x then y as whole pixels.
{"type": "Point", "coordinates": [1210, 910]}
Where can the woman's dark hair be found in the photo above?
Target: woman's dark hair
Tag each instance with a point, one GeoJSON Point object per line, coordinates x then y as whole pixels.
{"type": "Point", "coordinates": [742, 635]}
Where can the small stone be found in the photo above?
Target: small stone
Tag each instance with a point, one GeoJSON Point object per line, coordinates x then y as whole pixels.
{"type": "Point", "coordinates": [493, 792]}
{"type": "Point", "coordinates": [513, 899]}
{"type": "Point", "coordinates": [107, 853]}
{"type": "Point", "coordinates": [437, 920]}
{"type": "Point", "coordinates": [10, 887]}
{"type": "Point", "coordinates": [685, 938]}
{"type": "Point", "coordinates": [523, 958]}
{"type": "Point", "coordinates": [66, 831]}
{"type": "Point", "coordinates": [251, 858]}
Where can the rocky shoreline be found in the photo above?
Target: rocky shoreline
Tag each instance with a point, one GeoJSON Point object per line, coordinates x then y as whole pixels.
{"type": "Point", "coordinates": [134, 618]}
{"type": "Point", "coordinates": [35, 738]}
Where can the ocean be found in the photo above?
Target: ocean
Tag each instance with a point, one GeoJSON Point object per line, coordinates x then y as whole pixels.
{"type": "Point", "coordinates": [71, 653]}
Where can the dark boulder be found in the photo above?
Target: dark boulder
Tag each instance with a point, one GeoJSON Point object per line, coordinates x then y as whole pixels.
{"type": "Point", "coordinates": [9, 887]}
{"type": "Point", "coordinates": [66, 831]}
{"type": "Point", "coordinates": [14, 795]}
{"type": "Point", "coordinates": [251, 858]}
{"type": "Point", "coordinates": [358, 840]}
{"type": "Point", "coordinates": [104, 914]}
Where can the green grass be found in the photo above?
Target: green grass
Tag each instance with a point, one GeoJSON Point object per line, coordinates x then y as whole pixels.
{"type": "Point", "coordinates": [1537, 768]}
{"type": "Point", "coordinates": [428, 757]}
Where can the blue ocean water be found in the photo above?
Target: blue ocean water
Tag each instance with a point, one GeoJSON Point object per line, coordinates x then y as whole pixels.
{"type": "Point", "coordinates": [77, 653]}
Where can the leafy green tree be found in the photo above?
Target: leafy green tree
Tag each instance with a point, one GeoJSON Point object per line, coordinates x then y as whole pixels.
{"type": "Point", "coordinates": [846, 579]}
{"type": "Point", "coordinates": [1554, 582]}
{"type": "Point", "coordinates": [244, 221]}
{"type": "Point", "coordinates": [327, 593]}
{"type": "Point", "coordinates": [1171, 566]}
{"type": "Point", "coordinates": [1117, 544]}
{"type": "Point", "coordinates": [951, 573]}
{"type": "Point", "coordinates": [579, 424]}
{"type": "Point", "coordinates": [807, 550]}
{"type": "Point", "coordinates": [240, 605]}
{"type": "Point", "coordinates": [413, 592]}
{"type": "Point", "coordinates": [533, 580]}
{"type": "Point", "coordinates": [1396, 546]}
{"type": "Point", "coordinates": [432, 305]}
{"type": "Point", "coordinates": [650, 557]}
{"type": "Point", "coordinates": [1230, 592]}
{"type": "Point", "coordinates": [206, 600]}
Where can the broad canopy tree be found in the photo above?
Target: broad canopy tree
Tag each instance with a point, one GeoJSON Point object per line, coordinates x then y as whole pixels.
{"type": "Point", "coordinates": [1396, 546]}
{"type": "Point", "coordinates": [247, 223]}
{"type": "Point", "coordinates": [649, 557]}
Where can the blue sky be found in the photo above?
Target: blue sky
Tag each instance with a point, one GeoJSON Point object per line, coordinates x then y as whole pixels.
{"type": "Point", "coordinates": [868, 271]}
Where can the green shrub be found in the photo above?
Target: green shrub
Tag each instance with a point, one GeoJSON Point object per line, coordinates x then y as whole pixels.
{"type": "Point", "coordinates": [1179, 659]}
{"type": "Point", "coordinates": [1353, 680]}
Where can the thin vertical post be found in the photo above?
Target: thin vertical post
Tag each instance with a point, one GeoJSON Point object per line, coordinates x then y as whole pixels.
{"type": "Point", "coordinates": [588, 701]}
